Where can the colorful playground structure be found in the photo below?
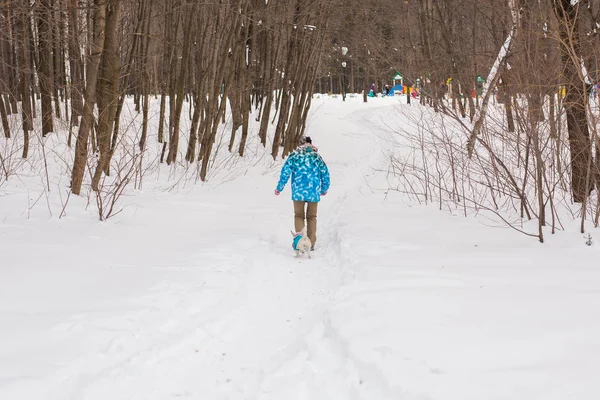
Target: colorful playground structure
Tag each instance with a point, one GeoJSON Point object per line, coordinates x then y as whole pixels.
{"type": "Point", "coordinates": [399, 88]}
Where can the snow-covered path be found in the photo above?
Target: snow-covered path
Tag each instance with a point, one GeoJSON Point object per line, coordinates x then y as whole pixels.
{"type": "Point", "coordinates": [197, 295]}
{"type": "Point", "coordinates": [209, 301]}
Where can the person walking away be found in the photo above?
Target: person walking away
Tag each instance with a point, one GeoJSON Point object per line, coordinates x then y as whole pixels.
{"type": "Point", "coordinates": [310, 181]}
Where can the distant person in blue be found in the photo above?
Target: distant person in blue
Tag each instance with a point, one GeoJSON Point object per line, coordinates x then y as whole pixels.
{"type": "Point", "coordinates": [310, 181]}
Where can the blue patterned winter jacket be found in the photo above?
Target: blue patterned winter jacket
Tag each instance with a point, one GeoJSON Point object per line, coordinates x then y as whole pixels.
{"type": "Point", "coordinates": [310, 176]}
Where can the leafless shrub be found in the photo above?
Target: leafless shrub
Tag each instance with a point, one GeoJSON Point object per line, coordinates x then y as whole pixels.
{"type": "Point", "coordinates": [518, 177]}
{"type": "Point", "coordinates": [112, 188]}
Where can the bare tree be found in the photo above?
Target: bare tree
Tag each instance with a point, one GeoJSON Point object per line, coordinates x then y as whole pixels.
{"type": "Point", "coordinates": [568, 15]}
{"type": "Point", "coordinates": [93, 64]}
{"type": "Point", "coordinates": [108, 90]}
{"type": "Point", "coordinates": [45, 66]}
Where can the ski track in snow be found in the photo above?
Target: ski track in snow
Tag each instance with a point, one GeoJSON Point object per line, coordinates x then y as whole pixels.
{"type": "Point", "coordinates": [212, 303]}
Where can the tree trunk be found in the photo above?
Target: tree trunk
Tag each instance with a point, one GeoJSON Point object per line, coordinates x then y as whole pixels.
{"type": "Point", "coordinates": [575, 99]}
{"type": "Point", "coordinates": [161, 117]}
{"type": "Point", "coordinates": [146, 79]}
{"type": "Point", "coordinates": [81, 146]}
{"type": "Point", "coordinates": [179, 94]}
{"type": "Point", "coordinates": [76, 65]}
{"type": "Point", "coordinates": [57, 72]}
{"type": "Point", "coordinates": [246, 79]}
{"type": "Point", "coordinates": [190, 155]}
{"type": "Point", "coordinates": [552, 112]}
{"type": "Point", "coordinates": [4, 117]}
{"type": "Point", "coordinates": [245, 121]}
{"type": "Point", "coordinates": [492, 79]}
{"type": "Point", "coordinates": [236, 111]}
{"type": "Point", "coordinates": [26, 108]}
{"type": "Point", "coordinates": [44, 70]}
{"type": "Point", "coordinates": [510, 120]}
{"type": "Point", "coordinates": [108, 90]}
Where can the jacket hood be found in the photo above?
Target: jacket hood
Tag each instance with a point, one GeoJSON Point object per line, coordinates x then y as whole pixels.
{"type": "Point", "coordinates": [308, 147]}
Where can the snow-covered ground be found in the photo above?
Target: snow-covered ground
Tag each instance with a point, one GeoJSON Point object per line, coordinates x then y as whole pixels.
{"type": "Point", "coordinates": [195, 292]}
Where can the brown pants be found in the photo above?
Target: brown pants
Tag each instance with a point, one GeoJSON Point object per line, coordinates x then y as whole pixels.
{"type": "Point", "coordinates": [311, 219]}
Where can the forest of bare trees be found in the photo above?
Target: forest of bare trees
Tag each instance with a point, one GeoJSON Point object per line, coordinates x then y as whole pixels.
{"type": "Point", "coordinates": [78, 60]}
{"type": "Point", "coordinates": [75, 63]}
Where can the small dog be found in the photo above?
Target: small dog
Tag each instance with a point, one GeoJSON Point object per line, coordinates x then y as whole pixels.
{"type": "Point", "coordinates": [301, 242]}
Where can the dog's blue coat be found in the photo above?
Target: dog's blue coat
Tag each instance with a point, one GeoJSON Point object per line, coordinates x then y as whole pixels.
{"type": "Point", "coordinates": [310, 176]}
{"type": "Point", "coordinates": [295, 242]}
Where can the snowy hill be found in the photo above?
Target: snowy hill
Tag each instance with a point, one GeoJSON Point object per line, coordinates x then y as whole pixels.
{"type": "Point", "coordinates": [195, 292]}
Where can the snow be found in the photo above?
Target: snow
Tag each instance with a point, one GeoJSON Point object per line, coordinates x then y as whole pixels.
{"type": "Point", "coordinates": [193, 291]}
{"type": "Point", "coordinates": [584, 72]}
